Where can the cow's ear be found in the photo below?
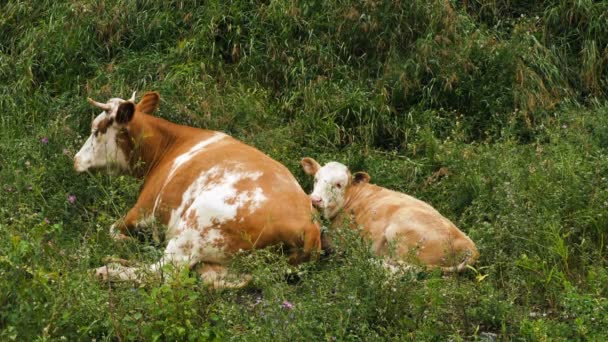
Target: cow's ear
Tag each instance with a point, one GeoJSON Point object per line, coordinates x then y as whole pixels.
{"type": "Point", "coordinates": [361, 177]}
{"type": "Point", "coordinates": [310, 166]}
{"type": "Point", "coordinates": [149, 102]}
{"type": "Point", "coordinates": [125, 112]}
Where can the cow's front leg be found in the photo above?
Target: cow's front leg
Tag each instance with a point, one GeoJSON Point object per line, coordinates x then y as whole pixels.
{"type": "Point", "coordinates": [134, 221]}
{"type": "Point", "coordinates": [117, 231]}
{"type": "Point", "coordinates": [180, 252]}
{"type": "Point", "coordinates": [123, 228]}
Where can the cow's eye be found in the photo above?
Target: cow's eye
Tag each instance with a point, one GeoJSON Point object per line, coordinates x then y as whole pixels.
{"type": "Point", "coordinates": [339, 185]}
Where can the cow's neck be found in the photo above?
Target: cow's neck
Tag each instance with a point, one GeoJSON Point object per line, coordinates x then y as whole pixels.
{"type": "Point", "coordinates": [355, 196]}
{"type": "Point", "coordinates": [150, 140]}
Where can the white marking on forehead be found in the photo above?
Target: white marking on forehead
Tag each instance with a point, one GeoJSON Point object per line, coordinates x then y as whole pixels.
{"type": "Point", "coordinates": [184, 158]}
{"type": "Point", "coordinates": [212, 199]}
{"type": "Point", "coordinates": [114, 102]}
{"type": "Point", "coordinates": [333, 171]}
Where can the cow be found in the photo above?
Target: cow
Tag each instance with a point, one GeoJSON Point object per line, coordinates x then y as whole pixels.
{"type": "Point", "coordinates": [215, 195]}
{"type": "Point", "coordinates": [390, 219]}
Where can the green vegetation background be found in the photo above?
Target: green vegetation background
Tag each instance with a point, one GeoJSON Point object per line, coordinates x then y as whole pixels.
{"type": "Point", "coordinates": [508, 96]}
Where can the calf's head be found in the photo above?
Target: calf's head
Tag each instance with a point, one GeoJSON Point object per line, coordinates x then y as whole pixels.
{"type": "Point", "coordinates": [331, 184]}
{"type": "Point", "coordinates": [109, 144]}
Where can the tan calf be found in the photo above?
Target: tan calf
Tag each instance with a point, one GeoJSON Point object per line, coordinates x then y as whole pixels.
{"type": "Point", "coordinates": [415, 230]}
{"type": "Point", "coordinates": [215, 194]}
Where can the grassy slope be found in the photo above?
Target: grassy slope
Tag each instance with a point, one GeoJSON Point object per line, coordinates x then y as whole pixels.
{"type": "Point", "coordinates": [509, 97]}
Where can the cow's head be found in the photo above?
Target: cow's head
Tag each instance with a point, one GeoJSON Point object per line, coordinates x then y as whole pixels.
{"type": "Point", "coordinates": [331, 184]}
{"type": "Point", "coordinates": [109, 144]}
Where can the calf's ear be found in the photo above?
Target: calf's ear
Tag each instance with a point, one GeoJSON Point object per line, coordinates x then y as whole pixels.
{"type": "Point", "coordinates": [149, 102]}
{"type": "Point", "coordinates": [125, 112]}
{"type": "Point", "coordinates": [310, 166]}
{"type": "Point", "coordinates": [361, 177]}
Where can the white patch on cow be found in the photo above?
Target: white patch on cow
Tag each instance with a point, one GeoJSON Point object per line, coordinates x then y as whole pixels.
{"type": "Point", "coordinates": [211, 248]}
{"type": "Point", "coordinates": [193, 151]}
{"type": "Point", "coordinates": [192, 246]}
{"type": "Point", "coordinates": [184, 158]}
{"type": "Point", "coordinates": [211, 200]}
{"type": "Point", "coordinates": [329, 189]}
{"type": "Point", "coordinates": [257, 199]}
{"type": "Point", "coordinates": [101, 149]}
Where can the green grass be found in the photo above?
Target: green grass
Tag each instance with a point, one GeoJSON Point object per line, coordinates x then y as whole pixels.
{"type": "Point", "coordinates": [509, 97]}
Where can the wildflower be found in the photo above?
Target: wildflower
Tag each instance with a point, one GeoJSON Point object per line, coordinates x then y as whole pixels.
{"type": "Point", "coordinates": [44, 140]}
{"type": "Point", "coordinates": [47, 221]}
{"type": "Point", "coordinates": [287, 305]}
{"type": "Point", "coordinates": [72, 199]}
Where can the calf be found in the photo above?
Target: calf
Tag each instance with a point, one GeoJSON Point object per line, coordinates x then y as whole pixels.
{"type": "Point", "coordinates": [389, 218]}
{"type": "Point", "coordinates": [215, 195]}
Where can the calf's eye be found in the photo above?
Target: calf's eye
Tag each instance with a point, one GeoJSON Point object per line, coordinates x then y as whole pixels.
{"type": "Point", "coordinates": [339, 185]}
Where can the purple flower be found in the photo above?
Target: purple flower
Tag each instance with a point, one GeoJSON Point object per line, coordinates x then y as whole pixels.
{"type": "Point", "coordinates": [72, 199]}
{"type": "Point", "coordinates": [47, 221]}
{"type": "Point", "coordinates": [44, 140]}
{"type": "Point", "coordinates": [287, 305]}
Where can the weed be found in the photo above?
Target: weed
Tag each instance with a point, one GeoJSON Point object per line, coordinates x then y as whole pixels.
{"type": "Point", "coordinates": [492, 111]}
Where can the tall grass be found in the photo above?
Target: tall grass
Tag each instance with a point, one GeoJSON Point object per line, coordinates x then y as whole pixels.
{"type": "Point", "coordinates": [492, 111]}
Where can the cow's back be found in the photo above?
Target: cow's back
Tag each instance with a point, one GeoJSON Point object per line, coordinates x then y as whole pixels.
{"type": "Point", "coordinates": [388, 215]}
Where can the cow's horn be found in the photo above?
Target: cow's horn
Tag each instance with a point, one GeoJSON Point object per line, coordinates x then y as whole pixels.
{"type": "Point", "coordinates": [103, 106]}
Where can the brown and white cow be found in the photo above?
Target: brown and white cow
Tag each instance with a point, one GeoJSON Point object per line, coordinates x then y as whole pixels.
{"type": "Point", "coordinates": [389, 218]}
{"type": "Point", "coordinates": [215, 195]}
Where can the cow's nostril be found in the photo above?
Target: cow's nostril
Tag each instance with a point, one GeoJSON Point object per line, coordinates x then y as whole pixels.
{"type": "Point", "coordinates": [316, 201]}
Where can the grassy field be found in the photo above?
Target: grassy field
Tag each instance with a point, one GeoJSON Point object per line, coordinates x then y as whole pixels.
{"type": "Point", "coordinates": [508, 96]}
